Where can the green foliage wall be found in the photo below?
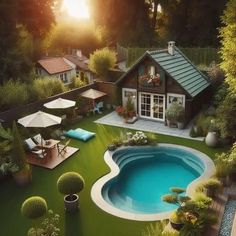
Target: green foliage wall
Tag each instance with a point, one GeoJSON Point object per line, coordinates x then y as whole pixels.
{"type": "Point", "coordinates": [228, 48]}
{"type": "Point", "coordinates": [196, 55]}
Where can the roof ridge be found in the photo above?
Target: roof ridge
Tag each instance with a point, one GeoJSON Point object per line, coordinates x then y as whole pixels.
{"type": "Point", "coordinates": [50, 58]}
{"type": "Point", "coordinates": [156, 51]}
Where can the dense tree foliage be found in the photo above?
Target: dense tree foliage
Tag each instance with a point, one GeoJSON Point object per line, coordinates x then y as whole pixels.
{"type": "Point", "coordinates": [136, 22]}
{"type": "Point", "coordinates": [182, 21]}
{"type": "Point", "coordinates": [125, 21]}
{"type": "Point", "coordinates": [16, 19]}
{"type": "Point", "coordinates": [70, 35]}
{"type": "Point", "coordinates": [228, 49]}
{"type": "Point", "coordinates": [101, 61]}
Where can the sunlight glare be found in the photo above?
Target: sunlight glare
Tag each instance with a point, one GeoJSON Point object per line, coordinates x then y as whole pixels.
{"type": "Point", "coordinates": [76, 8]}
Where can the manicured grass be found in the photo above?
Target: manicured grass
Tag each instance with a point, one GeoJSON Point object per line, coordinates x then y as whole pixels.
{"type": "Point", "coordinates": [91, 220]}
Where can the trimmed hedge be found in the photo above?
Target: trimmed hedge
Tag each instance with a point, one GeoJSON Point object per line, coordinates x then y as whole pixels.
{"type": "Point", "coordinates": [34, 207]}
{"type": "Point", "coordinates": [70, 183]}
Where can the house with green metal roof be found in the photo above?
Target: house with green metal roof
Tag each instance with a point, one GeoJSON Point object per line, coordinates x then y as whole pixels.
{"type": "Point", "coordinates": [161, 77]}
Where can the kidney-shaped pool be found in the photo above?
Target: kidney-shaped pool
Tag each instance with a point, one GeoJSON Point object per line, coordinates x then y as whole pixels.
{"type": "Point", "coordinates": [140, 176]}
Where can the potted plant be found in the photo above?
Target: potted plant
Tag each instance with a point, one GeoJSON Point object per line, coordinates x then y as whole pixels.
{"type": "Point", "coordinates": [69, 184]}
{"type": "Point", "coordinates": [180, 115]}
{"type": "Point", "coordinates": [34, 208]}
{"type": "Point", "coordinates": [23, 174]}
{"type": "Point", "coordinates": [212, 139]}
{"type": "Point", "coordinates": [127, 112]}
{"type": "Point", "coordinates": [171, 114]}
{"type": "Point", "coordinates": [176, 220]}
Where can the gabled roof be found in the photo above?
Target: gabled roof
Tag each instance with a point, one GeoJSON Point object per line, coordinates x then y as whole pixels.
{"type": "Point", "coordinates": [55, 65]}
{"type": "Point", "coordinates": [81, 62]}
{"type": "Point", "coordinates": [180, 68]}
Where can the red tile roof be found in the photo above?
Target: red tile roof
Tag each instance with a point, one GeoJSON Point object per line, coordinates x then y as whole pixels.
{"type": "Point", "coordinates": [81, 62]}
{"type": "Point", "coordinates": [55, 65]}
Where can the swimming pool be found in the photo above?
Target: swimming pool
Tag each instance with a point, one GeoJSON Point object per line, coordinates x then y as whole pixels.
{"type": "Point", "coordinates": [140, 176]}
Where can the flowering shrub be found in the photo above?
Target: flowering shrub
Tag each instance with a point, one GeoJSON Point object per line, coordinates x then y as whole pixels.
{"type": "Point", "coordinates": [154, 80]}
{"type": "Point", "coordinates": [122, 111]}
{"type": "Point", "coordinates": [227, 159]}
{"type": "Point", "coordinates": [138, 138]}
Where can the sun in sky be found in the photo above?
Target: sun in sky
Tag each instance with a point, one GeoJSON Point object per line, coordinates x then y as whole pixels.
{"type": "Point", "coordinates": [76, 8]}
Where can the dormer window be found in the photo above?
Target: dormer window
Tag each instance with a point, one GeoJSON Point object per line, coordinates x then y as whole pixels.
{"type": "Point", "coordinates": [151, 70]}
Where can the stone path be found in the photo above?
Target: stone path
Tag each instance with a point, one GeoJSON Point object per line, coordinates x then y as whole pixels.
{"type": "Point", "coordinates": [218, 207]}
{"type": "Point", "coordinates": [146, 125]}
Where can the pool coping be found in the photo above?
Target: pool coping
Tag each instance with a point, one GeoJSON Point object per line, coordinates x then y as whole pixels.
{"type": "Point", "coordinates": [96, 191]}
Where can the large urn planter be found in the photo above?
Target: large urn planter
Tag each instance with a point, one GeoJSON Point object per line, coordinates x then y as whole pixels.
{"type": "Point", "coordinates": [71, 203]}
{"type": "Point", "coordinates": [22, 178]}
{"type": "Point", "coordinates": [211, 139]}
{"type": "Point", "coordinates": [69, 184]}
{"type": "Point", "coordinates": [180, 125]}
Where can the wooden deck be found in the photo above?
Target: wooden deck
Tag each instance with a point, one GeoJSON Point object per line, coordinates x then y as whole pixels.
{"type": "Point", "coordinates": [52, 159]}
{"type": "Point", "coordinates": [218, 207]}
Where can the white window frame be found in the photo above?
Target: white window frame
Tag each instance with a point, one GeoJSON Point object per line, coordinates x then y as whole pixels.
{"type": "Point", "coordinates": [175, 95]}
{"type": "Point", "coordinates": [64, 78]}
{"type": "Point", "coordinates": [152, 104]}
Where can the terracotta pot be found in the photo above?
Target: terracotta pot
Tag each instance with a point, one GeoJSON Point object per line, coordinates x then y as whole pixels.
{"type": "Point", "coordinates": [211, 139]}
{"type": "Point", "coordinates": [176, 226]}
{"type": "Point", "coordinates": [22, 178]}
{"type": "Point", "coordinates": [71, 203]}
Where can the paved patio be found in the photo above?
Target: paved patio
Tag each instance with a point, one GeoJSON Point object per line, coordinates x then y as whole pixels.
{"type": "Point", "coordinates": [146, 125]}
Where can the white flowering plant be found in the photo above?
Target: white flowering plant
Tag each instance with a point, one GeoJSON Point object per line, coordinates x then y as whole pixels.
{"type": "Point", "coordinates": [131, 139]}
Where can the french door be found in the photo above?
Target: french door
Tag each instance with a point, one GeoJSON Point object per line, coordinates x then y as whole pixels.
{"type": "Point", "coordinates": [152, 106]}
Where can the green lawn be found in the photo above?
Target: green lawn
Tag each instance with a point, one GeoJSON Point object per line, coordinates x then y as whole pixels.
{"type": "Point", "coordinates": [91, 221]}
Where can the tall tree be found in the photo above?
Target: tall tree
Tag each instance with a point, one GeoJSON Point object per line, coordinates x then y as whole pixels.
{"type": "Point", "coordinates": [125, 21]}
{"type": "Point", "coordinates": [36, 16]}
{"type": "Point", "coordinates": [228, 42]}
{"type": "Point", "coordinates": [181, 20]}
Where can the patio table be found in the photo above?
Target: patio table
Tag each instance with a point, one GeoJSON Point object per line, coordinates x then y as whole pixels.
{"type": "Point", "coordinates": [49, 145]}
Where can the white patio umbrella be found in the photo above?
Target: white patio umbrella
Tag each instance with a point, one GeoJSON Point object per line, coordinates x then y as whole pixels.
{"type": "Point", "coordinates": [39, 119]}
{"type": "Point", "coordinates": [93, 94]}
{"type": "Point", "coordinates": [60, 103]}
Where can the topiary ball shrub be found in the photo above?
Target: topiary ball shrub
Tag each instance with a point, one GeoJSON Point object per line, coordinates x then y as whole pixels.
{"type": "Point", "coordinates": [70, 183]}
{"type": "Point", "coordinates": [34, 207]}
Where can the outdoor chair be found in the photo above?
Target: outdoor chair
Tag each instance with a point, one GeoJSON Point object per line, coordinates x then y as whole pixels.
{"type": "Point", "coordinates": [38, 139]}
{"type": "Point", "coordinates": [98, 107]}
{"type": "Point", "coordinates": [32, 147]}
{"type": "Point", "coordinates": [62, 149]}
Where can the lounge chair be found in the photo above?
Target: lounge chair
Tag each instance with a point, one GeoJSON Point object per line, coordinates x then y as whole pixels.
{"type": "Point", "coordinates": [62, 149]}
{"type": "Point", "coordinates": [98, 107]}
{"type": "Point", "coordinates": [38, 139]}
{"type": "Point", "coordinates": [32, 147]}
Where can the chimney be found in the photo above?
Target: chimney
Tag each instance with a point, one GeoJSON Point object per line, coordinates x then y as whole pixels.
{"type": "Point", "coordinates": [78, 53]}
{"type": "Point", "coordinates": [171, 48]}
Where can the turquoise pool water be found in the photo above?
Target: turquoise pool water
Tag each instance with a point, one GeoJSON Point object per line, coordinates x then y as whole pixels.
{"type": "Point", "coordinates": [146, 174]}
